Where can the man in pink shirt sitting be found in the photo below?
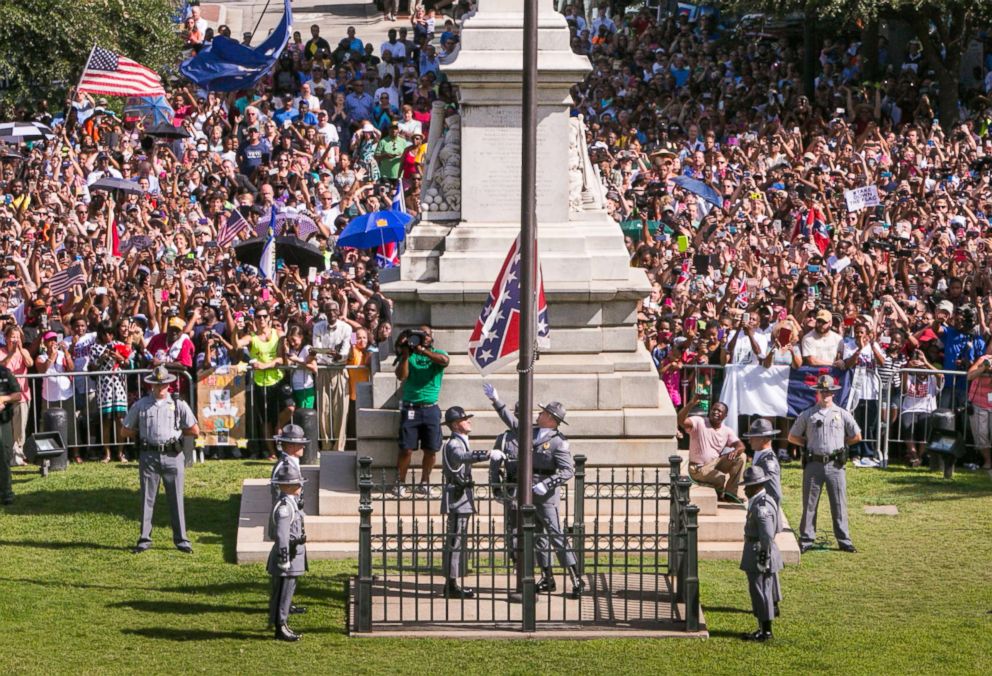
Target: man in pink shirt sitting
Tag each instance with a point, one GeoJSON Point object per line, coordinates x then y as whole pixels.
{"type": "Point", "coordinates": [716, 455]}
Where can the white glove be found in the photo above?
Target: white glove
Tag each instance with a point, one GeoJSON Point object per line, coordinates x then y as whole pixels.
{"type": "Point", "coordinates": [490, 392]}
{"type": "Point", "coordinates": [496, 455]}
{"type": "Point", "coordinates": [283, 566]}
{"type": "Point", "coordinates": [540, 488]}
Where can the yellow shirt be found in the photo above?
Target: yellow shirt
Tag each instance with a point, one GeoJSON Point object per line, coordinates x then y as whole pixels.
{"type": "Point", "coordinates": [265, 351]}
{"type": "Point", "coordinates": [357, 358]}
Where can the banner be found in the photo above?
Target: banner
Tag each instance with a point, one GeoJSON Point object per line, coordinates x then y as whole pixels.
{"type": "Point", "coordinates": [775, 391]}
{"type": "Point", "coordinates": [859, 198]}
{"type": "Point", "coordinates": [220, 396]}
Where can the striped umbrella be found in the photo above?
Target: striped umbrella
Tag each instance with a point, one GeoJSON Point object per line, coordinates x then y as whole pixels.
{"type": "Point", "coordinates": [22, 132]}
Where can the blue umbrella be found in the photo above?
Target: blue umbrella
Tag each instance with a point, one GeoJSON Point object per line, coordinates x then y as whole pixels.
{"type": "Point", "coordinates": [697, 187]}
{"type": "Point", "coordinates": [152, 109]}
{"type": "Point", "coordinates": [375, 229]}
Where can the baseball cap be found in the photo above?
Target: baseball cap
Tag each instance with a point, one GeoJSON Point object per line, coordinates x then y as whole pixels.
{"type": "Point", "coordinates": [946, 306]}
{"type": "Point", "coordinates": [824, 315]}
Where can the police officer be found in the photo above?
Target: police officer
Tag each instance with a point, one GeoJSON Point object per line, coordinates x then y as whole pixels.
{"type": "Point", "coordinates": [288, 556]}
{"type": "Point", "coordinates": [160, 421]}
{"type": "Point", "coordinates": [458, 499]}
{"type": "Point", "coordinates": [825, 430]}
{"type": "Point", "coordinates": [761, 559]}
{"type": "Point", "coordinates": [503, 478]}
{"type": "Point", "coordinates": [553, 467]}
{"type": "Point", "coordinates": [759, 437]}
{"type": "Point", "coordinates": [10, 394]}
{"type": "Point", "coordinates": [291, 443]}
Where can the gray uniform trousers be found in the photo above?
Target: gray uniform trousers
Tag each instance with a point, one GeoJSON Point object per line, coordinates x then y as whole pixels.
{"type": "Point", "coordinates": [6, 453]}
{"type": "Point", "coordinates": [287, 524]}
{"type": "Point", "coordinates": [815, 474]}
{"type": "Point", "coordinates": [457, 501]}
{"type": "Point", "coordinates": [549, 535]}
{"type": "Point", "coordinates": [171, 470]}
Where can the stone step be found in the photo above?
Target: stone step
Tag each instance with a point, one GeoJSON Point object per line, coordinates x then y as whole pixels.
{"type": "Point", "coordinates": [584, 391]}
{"type": "Point", "coordinates": [420, 266]}
{"type": "Point", "coordinates": [634, 289]}
{"type": "Point", "coordinates": [484, 266]}
{"type": "Point", "coordinates": [589, 340]}
{"type": "Point", "coordinates": [600, 452]}
{"type": "Point", "coordinates": [337, 503]}
{"type": "Point", "coordinates": [373, 423]}
{"type": "Point", "coordinates": [574, 364]}
{"type": "Point", "coordinates": [562, 314]}
{"type": "Point", "coordinates": [725, 550]}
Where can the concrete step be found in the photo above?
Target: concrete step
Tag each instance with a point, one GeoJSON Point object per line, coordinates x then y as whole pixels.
{"type": "Point", "coordinates": [600, 452]}
{"type": "Point", "coordinates": [634, 289]}
{"type": "Point", "coordinates": [337, 503]}
{"type": "Point", "coordinates": [562, 314]}
{"type": "Point", "coordinates": [558, 266]}
{"type": "Point", "coordinates": [724, 550]}
{"type": "Point", "coordinates": [566, 340]}
{"type": "Point", "coordinates": [583, 391]}
{"type": "Point", "coordinates": [628, 422]}
{"type": "Point", "coordinates": [553, 364]}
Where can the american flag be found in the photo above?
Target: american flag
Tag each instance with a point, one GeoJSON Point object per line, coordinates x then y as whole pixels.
{"type": "Point", "coordinates": [496, 337]}
{"type": "Point", "coordinates": [234, 226]}
{"type": "Point", "coordinates": [63, 280]}
{"type": "Point", "coordinates": [109, 73]}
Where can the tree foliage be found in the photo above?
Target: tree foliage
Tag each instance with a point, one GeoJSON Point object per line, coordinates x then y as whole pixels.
{"type": "Point", "coordinates": [46, 42]}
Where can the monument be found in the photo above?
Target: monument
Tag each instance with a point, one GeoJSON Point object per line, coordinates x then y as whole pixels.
{"type": "Point", "coordinates": [619, 412]}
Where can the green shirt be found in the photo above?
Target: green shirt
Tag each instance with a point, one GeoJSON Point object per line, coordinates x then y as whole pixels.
{"type": "Point", "coordinates": [390, 167]}
{"type": "Point", "coordinates": [423, 382]}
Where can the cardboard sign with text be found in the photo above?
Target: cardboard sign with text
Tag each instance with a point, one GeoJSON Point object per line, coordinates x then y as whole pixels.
{"type": "Point", "coordinates": [221, 401]}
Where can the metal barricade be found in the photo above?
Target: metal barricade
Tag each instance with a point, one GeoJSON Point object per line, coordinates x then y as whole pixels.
{"type": "Point", "coordinates": [94, 417]}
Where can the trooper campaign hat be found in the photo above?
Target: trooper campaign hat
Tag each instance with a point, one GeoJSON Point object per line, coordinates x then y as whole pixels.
{"type": "Point", "coordinates": [826, 383]}
{"type": "Point", "coordinates": [288, 474]}
{"type": "Point", "coordinates": [292, 434]}
{"type": "Point", "coordinates": [759, 428]}
{"type": "Point", "coordinates": [754, 475]}
{"type": "Point", "coordinates": [556, 410]}
{"type": "Point", "coordinates": [160, 376]}
{"type": "Point", "coordinates": [454, 414]}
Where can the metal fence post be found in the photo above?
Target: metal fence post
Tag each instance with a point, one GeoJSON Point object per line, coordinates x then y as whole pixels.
{"type": "Point", "coordinates": [579, 514]}
{"type": "Point", "coordinates": [528, 590]}
{"type": "Point", "coordinates": [682, 543]}
{"type": "Point", "coordinates": [364, 597]}
{"type": "Point", "coordinates": [691, 583]}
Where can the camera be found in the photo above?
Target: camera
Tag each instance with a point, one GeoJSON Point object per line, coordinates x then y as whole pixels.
{"type": "Point", "coordinates": [415, 338]}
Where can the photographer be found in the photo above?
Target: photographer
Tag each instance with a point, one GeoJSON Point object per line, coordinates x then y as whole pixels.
{"type": "Point", "coordinates": [420, 367]}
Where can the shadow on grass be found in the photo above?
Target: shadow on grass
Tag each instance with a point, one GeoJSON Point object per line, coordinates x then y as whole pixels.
{"type": "Point", "coordinates": [726, 609]}
{"type": "Point", "coordinates": [934, 487]}
{"type": "Point", "coordinates": [42, 544]}
{"type": "Point", "coordinates": [187, 608]}
{"type": "Point", "coordinates": [192, 634]}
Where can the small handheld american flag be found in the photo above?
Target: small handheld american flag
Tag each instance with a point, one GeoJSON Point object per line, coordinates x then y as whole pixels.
{"type": "Point", "coordinates": [63, 280]}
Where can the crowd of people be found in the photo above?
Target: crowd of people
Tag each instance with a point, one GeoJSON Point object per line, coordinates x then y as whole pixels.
{"type": "Point", "coordinates": [775, 265]}
{"type": "Point", "coordinates": [330, 133]}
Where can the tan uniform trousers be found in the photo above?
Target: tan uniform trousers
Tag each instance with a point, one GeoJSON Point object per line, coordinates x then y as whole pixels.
{"type": "Point", "coordinates": [333, 399]}
{"type": "Point", "coordinates": [723, 474]}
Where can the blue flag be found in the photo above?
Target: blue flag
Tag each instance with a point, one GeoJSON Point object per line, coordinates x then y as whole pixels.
{"type": "Point", "coordinates": [801, 394]}
{"type": "Point", "coordinates": [227, 65]}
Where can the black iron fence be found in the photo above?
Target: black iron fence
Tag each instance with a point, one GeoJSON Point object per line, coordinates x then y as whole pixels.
{"type": "Point", "coordinates": [632, 532]}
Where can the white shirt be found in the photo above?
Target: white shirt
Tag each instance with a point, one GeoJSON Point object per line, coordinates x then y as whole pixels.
{"type": "Point", "coordinates": [302, 378]}
{"type": "Point", "coordinates": [54, 387]}
{"type": "Point", "coordinates": [336, 337]}
{"type": "Point", "coordinates": [81, 355]}
{"type": "Point", "coordinates": [330, 134]}
{"type": "Point", "coordinates": [96, 175]}
{"type": "Point", "coordinates": [822, 348]}
{"type": "Point", "coordinates": [398, 49]}
{"type": "Point", "coordinates": [394, 95]}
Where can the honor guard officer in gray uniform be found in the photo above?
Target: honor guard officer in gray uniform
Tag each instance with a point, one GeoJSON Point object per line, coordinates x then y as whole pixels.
{"type": "Point", "coordinates": [759, 437]}
{"type": "Point", "coordinates": [553, 467]}
{"type": "Point", "coordinates": [10, 394]}
{"type": "Point", "coordinates": [761, 559]}
{"type": "Point", "coordinates": [159, 421]}
{"type": "Point", "coordinates": [292, 442]}
{"type": "Point", "coordinates": [825, 429]}
{"type": "Point", "coordinates": [288, 557]}
{"type": "Point", "coordinates": [458, 499]}
{"type": "Point", "coordinates": [503, 478]}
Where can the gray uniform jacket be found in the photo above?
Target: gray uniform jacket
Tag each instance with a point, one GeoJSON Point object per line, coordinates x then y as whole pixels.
{"type": "Point", "coordinates": [458, 458]}
{"type": "Point", "coordinates": [553, 462]}
{"type": "Point", "coordinates": [761, 554]}
{"type": "Point", "coordinates": [289, 539]}
{"type": "Point", "coordinates": [505, 471]}
{"type": "Point", "coordinates": [767, 461]}
{"type": "Point", "coordinates": [825, 428]}
{"type": "Point", "coordinates": [155, 419]}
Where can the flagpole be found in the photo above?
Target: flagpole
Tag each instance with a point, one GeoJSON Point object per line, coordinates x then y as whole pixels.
{"type": "Point", "coordinates": [528, 236]}
{"type": "Point", "coordinates": [72, 91]}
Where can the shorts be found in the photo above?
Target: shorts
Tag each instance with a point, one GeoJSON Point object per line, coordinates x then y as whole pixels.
{"type": "Point", "coordinates": [420, 427]}
{"type": "Point", "coordinates": [306, 398]}
{"type": "Point", "coordinates": [981, 420]}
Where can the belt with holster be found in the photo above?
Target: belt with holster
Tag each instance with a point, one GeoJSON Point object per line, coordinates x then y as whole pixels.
{"type": "Point", "coordinates": [825, 457]}
{"type": "Point", "coordinates": [173, 447]}
{"type": "Point", "coordinates": [407, 404]}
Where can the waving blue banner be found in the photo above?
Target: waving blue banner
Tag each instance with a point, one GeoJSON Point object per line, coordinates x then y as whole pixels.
{"type": "Point", "coordinates": [227, 65]}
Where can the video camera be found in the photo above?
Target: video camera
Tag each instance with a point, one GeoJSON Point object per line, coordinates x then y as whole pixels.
{"type": "Point", "coordinates": [415, 338]}
{"type": "Point", "coordinates": [890, 247]}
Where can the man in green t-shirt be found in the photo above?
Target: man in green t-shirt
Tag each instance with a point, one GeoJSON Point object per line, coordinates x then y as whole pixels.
{"type": "Point", "coordinates": [389, 153]}
{"type": "Point", "coordinates": [419, 367]}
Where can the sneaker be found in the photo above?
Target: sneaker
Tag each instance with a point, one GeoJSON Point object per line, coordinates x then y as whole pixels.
{"type": "Point", "coordinates": [783, 456]}
{"type": "Point", "coordinates": [861, 462]}
{"type": "Point", "coordinates": [422, 489]}
{"type": "Point", "coordinates": [399, 490]}
{"type": "Point", "coordinates": [871, 462]}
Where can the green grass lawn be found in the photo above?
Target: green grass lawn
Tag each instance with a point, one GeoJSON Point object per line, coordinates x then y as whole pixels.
{"type": "Point", "coordinates": [916, 599]}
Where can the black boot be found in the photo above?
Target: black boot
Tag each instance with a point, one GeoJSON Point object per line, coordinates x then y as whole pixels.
{"type": "Point", "coordinates": [761, 635]}
{"type": "Point", "coordinates": [284, 633]}
{"type": "Point", "coordinates": [547, 581]}
{"type": "Point", "coordinates": [453, 591]}
{"type": "Point", "coordinates": [578, 584]}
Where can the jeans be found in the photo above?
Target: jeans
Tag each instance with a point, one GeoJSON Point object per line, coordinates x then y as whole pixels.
{"type": "Point", "coordinates": [866, 415]}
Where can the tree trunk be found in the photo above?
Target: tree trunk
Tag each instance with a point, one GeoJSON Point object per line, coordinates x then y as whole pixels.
{"type": "Point", "coordinates": [809, 50]}
{"type": "Point", "coordinates": [947, 100]}
{"type": "Point", "coordinates": [869, 50]}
